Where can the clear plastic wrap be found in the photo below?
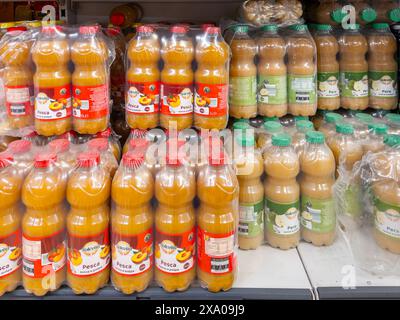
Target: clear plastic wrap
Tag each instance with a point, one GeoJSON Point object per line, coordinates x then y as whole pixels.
{"type": "Point", "coordinates": [10, 222]}
{"type": "Point", "coordinates": [43, 226]}
{"type": "Point", "coordinates": [132, 219]}
{"type": "Point", "coordinates": [113, 141]}
{"type": "Point", "coordinates": [261, 12]}
{"type": "Point", "coordinates": [282, 194]}
{"type": "Point", "coordinates": [108, 160]}
{"type": "Point", "coordinates": [89, 252]}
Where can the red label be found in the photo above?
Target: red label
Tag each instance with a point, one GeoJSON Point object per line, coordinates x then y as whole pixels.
{"type": "Point", "coordinates": [132, 255]}
{"type": "Point", "coordinates": [211, 100]}
{"type": "Point", "coordinates": [42, 256]}
{"type": "Point", "coordinates": [10, 253]}
{"type": "Point", "coordinates": [52, 103]}
{"type": "Point", "coordinates": [175, 252]}
{"type": "Point", "coordinates": [88, 255]}
{"type": "Point", "coordinates": [19, 100]}
{"type": "Point", "coordinates": [90, 102]}
{"type": "Point", "coordinates": [216, 252]}
{"type": "Point", "coordinates": [176, 99]}
{"type": "Point", "coordinates": [143, 97]}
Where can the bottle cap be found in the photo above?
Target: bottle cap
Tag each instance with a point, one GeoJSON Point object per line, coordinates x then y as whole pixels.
{"type": "Point", "coordinates": [344, 128]}
{"type": "Point", "coordinates": [133, 159]}
{"type": "Point", "coordinates": [337, 15]}
{"type": "Point", "coordinates": [354, 26]}
{"type": "Point", "coordinates": [89, 159]}
{"type": "Point", "coordinates": [393, 117]}
{"type": "Point", "coordinates": [268, 119]}
{"type": "Point", "coordinates": [331, 117]}
{"type": "Point", "coordinates": [213, 30]}
{"type": "Point", "coordinates": [89, 29]}
{"type": "Point", "coordinates": [104, 134]}
{"type": "Point", "coordinates": [145, 29]}
{"type": "Point", "coordinates": [44, 160]}
{"type": "Point", "coordinates": [17, 28]}
{"type": "Point", "coordinates": [241, 125]}
{"type": "Point", "coordinates": [273, 127]}
{"type": "Point", "coordinates": [315, 137]}
{"type": "Point", "coordinates": [138, 143]}
{"type": "Point", "coordinates": [59, 145]}
{"type": "Point", "coordinates": [246, 140]}
{"type": "Point", "coordinates": [323, 27]}
{"type": "Point", "coordinates": [99, 144]}
{"type": "Point", "coordinates": [239, 29]}
{"type": "Point", "coordinates": [368, 15]}
{"type": "Point", "coordinates": [298, 118]}
{"type": "Point", "coordinates": [391, 140]}
{"type": "Point", "coordinates": [281, 140]}
{"type": "Point", "coordinates": [205, 26]}
{"type": "Point", "coordinates": [6, 159]}
{"type": "Point", "coordinates": [19, 146]}
{"type": "Point", "coordinates": [270, 27]}
{"type": "Point", "coordinates": [394, 15]}
{"type": "Point", "coordinates": [117, 19]}
{"type": "Point", "coordinates": [378, 128]}
{"type": "Point", "coordinates": [298, 27]}
{"type": "Point", "coordinates": [218, 159]}
{"type": "Point", "coordinates": [304, 125]}
{"type": "Point", "coordinates": [179, 29]}
{"type": "Point", "coordinates": [51, 29]}
{"type": "Point", "coordinates": [364, 117]}
{"type": "Point", "coordinates": [380, 26]}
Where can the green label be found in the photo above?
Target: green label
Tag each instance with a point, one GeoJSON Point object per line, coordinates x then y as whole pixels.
{"type": "Point", "coordinates": [328, 84]}
{"type": "Point", "coordinates": [272, 89]}
{"type": "Point", "coordinates": [282, 218]}
{"type": "Point", "coordinates": [251, 219]}
{"type": "Point", "coordinates": [354, 84]}
{"type": "Point", "coordinates": [352, 201]}
{"type": "Point", "coordinates": [383, 84]}
{"type": "Point", "coordinates": [387, 218]}
{"type": "Point", "coordinates": [318, 215]}
{"type": "Point", "coordinates": [302, 89]}
{"type": "Point", "coordinates": [243, 91]}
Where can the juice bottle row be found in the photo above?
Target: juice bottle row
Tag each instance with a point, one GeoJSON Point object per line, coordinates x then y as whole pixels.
{"type": "Point", "coordinates": [334, 12]}
{"type": "Point", "coordinates": [56, 79]}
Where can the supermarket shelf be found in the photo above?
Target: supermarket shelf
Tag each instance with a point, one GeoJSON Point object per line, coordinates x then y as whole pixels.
{"type": "Point", "coordinates": [263, 274]}
{"type": "Point", "coordinates": [334, 274]}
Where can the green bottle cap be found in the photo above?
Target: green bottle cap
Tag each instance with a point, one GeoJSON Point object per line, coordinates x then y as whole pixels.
{"type": "Point", "coordinates": [378, 128]}
{"type": "Point", "coordinates": [315, 137]}
{"type": "Point", "coordinates": [241, 126]}
{"type": "Point", "coordinates": [354, 26]}
{"type": "Point", "coordinates": [391, 140]}
{"type": "Point", "coordinates": [364, 117]}
{"type": "Point", "coordinates": [304, 125]}
{"type": "Point", "coordinates": [246, 140]}
{"type": "Point", "coordinates": [324, 27]}
{"type": "Point", "coordinates": [269, 119]}
{"type": "Point", "coordinates": [368, 15]}
{"type": "Point", "coordinates": [270, 27]}
{"type": "Point", "coordinates": [312, 26]}
{"type": "Point", "coordinates": [344, 128]}
{"type": "Point", "coordinates": [298, 118]}
{"type": "Point", "coordinates": [298, 27]}
{"type": "Point", "coordinates": [337, 15]}
{"type": "Point", "coordinates": [380, 26]}
{"type": "Point", "coordinates": [281, 140]}
{"type": "Point", "coordinates": [241, 29]}
{"type": "Point", "coordinates": [393, 117]}
{"type": "Point", "coordinates": [394, 15]}
{"type": "Point", "coordinates": [332, 117]}
{"type": "Point", "coordinates": [273, 127]}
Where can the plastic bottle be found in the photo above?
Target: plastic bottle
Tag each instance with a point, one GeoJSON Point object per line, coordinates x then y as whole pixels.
{"type": "Point", "coordinates": [143, 80]}
{"type": "Point", "coordinates": [52, 81]}
{"type": "Point", "coordinates": [270, 128]}
{"type": "Point", "coordinates": [272, 73]}
{"type": "Point", "coordinates": [318, 219]}
{"type": "Point", "coordinates": [88, 193]}
{"type": "Point", "coordinates": [177, 79]}
{"type": "Point", "coordinates": [328, 12]}
{"type": "Point", "coordinates": [10, 222]}
{"type": "Point", "coordinates": [23, 155]}
{"type": "Point", "coordinates": [43, 227]}
{"type": "Point", "coordinates": [250, 166]}
{"type": "Point", "coordinates": [360, 122]}
{"type": "Point", "coordinates": [66, 158]}
{"type": "Point", "coordinates": [243, 75]}
{"type": "Point", "coordinates": [132, 225]}
{"type": "Point", "coordinates": [282, 194]}
{"type": "Point", "coordinates": [175, 189]}
{"type": "Point", "coordinates": [299, 138]}
{"type": "Point", "coordinates": [382, 64]}
{"type": "Point", "coordinates": [218, 192]}
{"type": "Point", "coordinates": [125, 15]}
{"type": "Point", "coordinates": [302, 69]}
{"type": "Point", "coordinates": [375, 139]}
{"type": "Point", "coordinates": [353, 69]}
{"type": "Point", "coordinates": [90, 81]}
{"type": "Point", "coordinates": [393, 122]}
{"type": "Point", "coordinates": [107, 158]}
{"type": "Point", "coordinates": [211, 81]}
{"type": "Point", "coordinates": [113, 141]}
{"type": "Point", "coordinates": [328, 128]}
{"type": "Point", "coordinates": [18, 78]}
{"type": "Point", "coordinates": [386, 10]}
{"type": "Point", "coordinates": [364, 12]}
{"type": "Point", "coordinates": [328, 68]}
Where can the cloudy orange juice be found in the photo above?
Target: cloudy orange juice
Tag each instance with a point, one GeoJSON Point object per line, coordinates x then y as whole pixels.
{"type": "Point", "coordinates": [132, 225]}
{"type": "Point", "coordinates": [88, 192]}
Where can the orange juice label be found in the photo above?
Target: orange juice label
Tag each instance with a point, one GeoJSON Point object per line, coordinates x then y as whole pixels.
{"type": "Point", "coordinates": [10, 253]}
{"type": "Point", "coordinates": [53, 103]}
{"type": "Point", "coordinates": [90, 102]}
{"type": "Point", "coordinates": [43, 255]}
{"type": "Point", "coordinates": [176, 99]}
{"type": "Point", "coordinates": [19, 100]}
{"type": "Point", "coordinates": [143, 97]}
{"type": "Point", "coordinates": [175, 252]}
{"type": "Point", "coordinates": [216, 252]}
{"type": "Point", "coordinates": [211, 100]}
{"type": "Point", "coordinates": [88, 255]}
{"type": "Point", "coordinates": [132, 255]}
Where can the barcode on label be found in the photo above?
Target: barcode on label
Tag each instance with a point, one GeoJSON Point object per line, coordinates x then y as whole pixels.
{"type": "Point", "coordinates": [219, 265]}
{"type": "Point", "coordinates": [17, 109]}
{"type": "Point", "coordinates": [243, 228]}
{"type": "Point", "coordinates": [29, 268]}
{"type": "Point", "coordinates": [302, 96]}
